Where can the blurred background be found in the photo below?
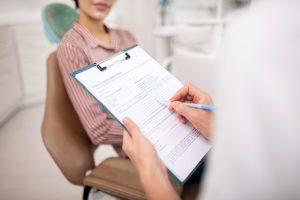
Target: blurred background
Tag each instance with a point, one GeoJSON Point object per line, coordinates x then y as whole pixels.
{"type": "Point", "coordinates": [184, 36]}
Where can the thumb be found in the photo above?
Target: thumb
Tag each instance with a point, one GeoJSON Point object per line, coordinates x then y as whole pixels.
{"type": "Point", "coordinates": [182, 109]}
{"type": "Point", "coordinates": [132, 128]}
{"type": "Point", "coordinates": [127, 142]}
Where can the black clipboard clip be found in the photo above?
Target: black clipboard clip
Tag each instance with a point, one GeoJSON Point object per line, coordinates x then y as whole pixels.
{"type": "Point", "coordinates": [127, 57]}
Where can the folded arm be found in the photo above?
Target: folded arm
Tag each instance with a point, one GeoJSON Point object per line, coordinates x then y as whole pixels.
{"type": "Point", "coordinates": [100, 127]}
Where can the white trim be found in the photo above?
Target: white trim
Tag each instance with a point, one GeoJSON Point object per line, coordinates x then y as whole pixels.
{"type": "Point", "coordinates": [32, 101]}
{"type": "Point", "coordinates": [10, 112]}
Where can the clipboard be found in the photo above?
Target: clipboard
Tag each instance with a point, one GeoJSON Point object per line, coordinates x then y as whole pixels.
{"type": "Point", "coordinates": [130, 84]}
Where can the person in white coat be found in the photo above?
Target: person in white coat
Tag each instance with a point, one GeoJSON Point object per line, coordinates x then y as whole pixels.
{"type": "Point", "coordinates": [256, 139]}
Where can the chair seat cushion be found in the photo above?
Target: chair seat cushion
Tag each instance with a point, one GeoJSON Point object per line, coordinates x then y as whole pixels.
{"type": "Point", "coordinates": [118, 176]}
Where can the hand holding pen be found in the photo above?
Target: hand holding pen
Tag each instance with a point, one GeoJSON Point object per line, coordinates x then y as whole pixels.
{"type": "Point", "coordinates": [190, 105]}
{"type": "Point", "coordinates": [200, 118]}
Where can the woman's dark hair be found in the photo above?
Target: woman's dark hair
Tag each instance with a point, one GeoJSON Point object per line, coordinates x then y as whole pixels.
{"type": "Point", "coordinates": [76, 3]}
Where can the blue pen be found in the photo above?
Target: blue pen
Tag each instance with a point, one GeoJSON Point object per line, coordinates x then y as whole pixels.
{"type": "Point", "coordinates": [191, 105]}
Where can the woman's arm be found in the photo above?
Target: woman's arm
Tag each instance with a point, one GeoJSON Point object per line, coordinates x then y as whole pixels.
{"type": "Point", "coordinates": [100, 127]}
{"type": "Point", "coordinates": [153, 174]}
{"type": "Point", "coordinates": [156, 184]}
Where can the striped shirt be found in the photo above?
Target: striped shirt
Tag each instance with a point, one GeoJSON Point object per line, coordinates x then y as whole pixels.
{"type": "Point", "coordinates": [79, 48]}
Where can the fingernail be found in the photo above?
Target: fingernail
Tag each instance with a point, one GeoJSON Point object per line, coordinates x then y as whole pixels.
{"type": "Point", "coordinates": [125, 120]}
{"type": "Point", "coordinates": [174, 104]}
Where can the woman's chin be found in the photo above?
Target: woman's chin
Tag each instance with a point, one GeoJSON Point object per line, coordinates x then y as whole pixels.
{"type": "Point", "coordinates": [98, 15]}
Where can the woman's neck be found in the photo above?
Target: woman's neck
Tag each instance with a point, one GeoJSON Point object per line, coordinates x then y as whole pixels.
{"type": "Point", "coordinates": [96, 27]}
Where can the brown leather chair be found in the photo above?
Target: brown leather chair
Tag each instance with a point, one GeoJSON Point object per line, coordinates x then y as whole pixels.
{"type": "Point", "coordinates": [72, 151]}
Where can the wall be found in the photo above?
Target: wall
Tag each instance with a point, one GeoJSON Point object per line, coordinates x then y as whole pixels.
{"type": "Point", "coordinates": [138, 16]}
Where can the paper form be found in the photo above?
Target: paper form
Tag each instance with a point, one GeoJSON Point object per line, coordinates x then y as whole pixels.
{"type": "Point", "coordinates": [133, 88]}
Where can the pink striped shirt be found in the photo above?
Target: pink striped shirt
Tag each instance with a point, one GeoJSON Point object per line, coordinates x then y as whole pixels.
{"type": "Point", "coordinates": [79, 48]}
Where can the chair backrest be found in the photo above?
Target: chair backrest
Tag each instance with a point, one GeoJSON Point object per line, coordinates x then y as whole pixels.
{"type": "Point", "coordinates": [62, 132]}
{"type": "Point", "coordinates": [57, 19]}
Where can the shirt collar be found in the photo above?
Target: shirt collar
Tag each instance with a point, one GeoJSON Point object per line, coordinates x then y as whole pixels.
{"type": "Point", "coordinates": [93, 42]}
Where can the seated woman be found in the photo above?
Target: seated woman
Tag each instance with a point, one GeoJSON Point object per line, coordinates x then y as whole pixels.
{"type": "Point", "coordinates": [88, 41]}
